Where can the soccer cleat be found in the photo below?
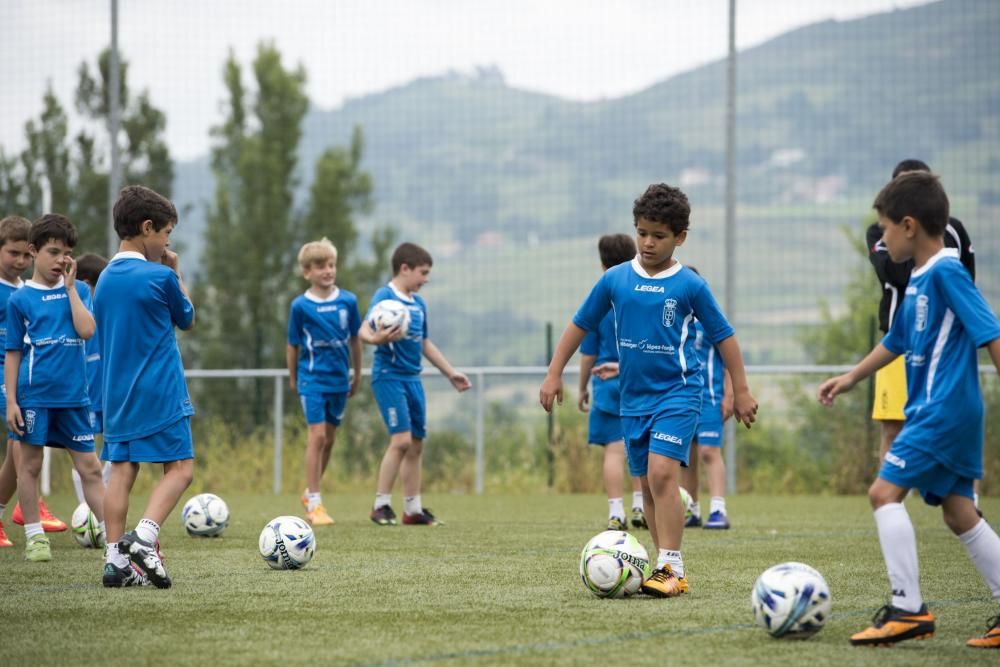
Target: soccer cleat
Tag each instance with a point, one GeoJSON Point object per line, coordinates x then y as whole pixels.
{"type": "Point", "coordinates": [122, 577]}
{"type": "Point", "coordinates": [38, 550]}
{"type": "Point", "coordinates": [50, 524]}
{"type": "Point", "coordinates": [319, 517]}
{"type": "Point", "coordinates": [638, 518]}
{"type": "Point", "coordinates": [992, 637]}
{"type": "Point", "coordinates": [383, 516]}
{"type": "Point", "coordinates": [693, 521]}
{"type": "Point", "coordinates": [616, 523]}
{"type": "Point", "coordinates": [717, 520]}
{"type": "Point", "coordinates": [663, 583]}
{"type": "Point", "coordinates": [425, 518]}
{"type": "Point", "coordinates": [4, 540]}
{"type": "Point", "coordinates": [305, 499]}
{"type": "Point", "coordinates": [891, 624]}
{"type": "Point", "coordinates": [146, 557]}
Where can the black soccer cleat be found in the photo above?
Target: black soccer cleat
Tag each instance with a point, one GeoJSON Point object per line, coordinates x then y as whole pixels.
{"type": "Point", "coordinates": [146, 557]}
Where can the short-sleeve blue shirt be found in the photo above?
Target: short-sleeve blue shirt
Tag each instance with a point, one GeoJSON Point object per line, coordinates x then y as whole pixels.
{"type": "Point", "coordinates": [137, 304]}
{"type": "Point", "coordinates": [712, 368]}
{"type": "Point", "coordinates": [938, 327]}
{"type": "Point", "coordinates": [401, 360]}
{"type": "Point", "coordinates": [7, 289]}
{"type": "Point", "coordinates": [654, 316]}
{"type": "Point", "coordinates": [53, 372]}
{"type": "Point", "coordinates": [603, 344]}
{"type": "Point", "coordinates": [322, 329]}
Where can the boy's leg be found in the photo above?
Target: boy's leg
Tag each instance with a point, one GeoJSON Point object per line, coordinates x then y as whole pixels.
{"type": "Point", "coordinates": [29, 466]}
{"type": "Point", "coordinates": [614, 463]}
{"type": "Point", "coordinates": [177, 476]}
{"type": "Point", "coordinates": [388, 470]}
{"type": "Point", "coordinates": [715, 473]}
{"type": "Point", "coordinates": [317, 457]}
{"type": "Point", "coordinates": [663, 479]}
{"type": "Point", "coordinates": [87, 467]}
{"type": "Point", "coordinates": [331, 438]}
{"type": "Point", "coordinates": [8, 474]}
{"type": "Point", "coordinates": [890, 429]}
{"type": "Point", "coordinates": [118, 570]}
{"type": "Point", "coordinates": [690, 481]}
{"type": "Point", "coordinates": [638, 504]}
{"type": "Point", "coordinates": [410, 473]}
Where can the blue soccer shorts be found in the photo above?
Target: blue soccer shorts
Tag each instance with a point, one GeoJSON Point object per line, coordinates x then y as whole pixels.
{"type": "Point", "coordinates": [912, 468]}
{"type": "Point", "coordinates": [709, 431]}
{"type": "Point", "coordinates": [173, 443]}
{"type": "Point", "coordinates": [324, 408]}
{"type": "Point", "coordinates": [68, 428]}
{"type": "Point", "coordinates": [97, 421]}
{"type": "Point", "coordinates": [403, 406]}
{"type": "Point", "coordinates": [604, 427]}
{"type": "Point", "coordinates": [667, 433]}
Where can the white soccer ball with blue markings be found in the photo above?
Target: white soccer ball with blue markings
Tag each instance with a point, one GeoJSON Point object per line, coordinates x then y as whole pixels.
{"type": "Point", "coordinates": [614, 564]}
{"type": "Point", "coordinates": [389, 313]}
{"type": "Point", "coordinates": [205, 515]}
{"type": "Point", "coordinates": [85, 527]}
{"type": "Point", "coordinates": [287, 543]}
{"type": "Point", "coordinates": [791, 600]}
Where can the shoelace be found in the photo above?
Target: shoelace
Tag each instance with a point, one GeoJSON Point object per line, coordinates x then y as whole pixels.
{"type": "Point", "coordinates": [661, 575]}
{"type": "Point", "coordinates": [882, 616]}
{"type": "Point", "coordinates": [993, 623]}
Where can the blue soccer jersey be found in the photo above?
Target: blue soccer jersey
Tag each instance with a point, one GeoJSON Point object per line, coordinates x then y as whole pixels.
{"type": "Point", "coordinates": [53, 371]}
{"type": "Point", "coordinates": [713, 370]}
{"type": "Point", "coordinates": [93, 352]}
{"type": "Point", "coordinates": [137, 304]}
{"type": "Point", "coordinates": [603, 344]}
{"type": "Point", "coordinates": [654, 318]}
{"type": "Point", "coordinates": [401, 359]}
{"type": "Point", "coordinates": [942, 321]}
{"type": "Point", "coordinates": [7, 289]}
{"type": "Point", "coordinates": [322, 330]}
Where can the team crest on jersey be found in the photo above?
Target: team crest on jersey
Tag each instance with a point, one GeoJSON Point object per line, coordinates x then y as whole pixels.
{"type": "Point", "coordinates": [669, 312]}
{"type": "Point", "coordinates": [29, 421]}
{"type": "Point", "coordinates": [921, 322]}
{"type": "Point", "coordinates": [343, 318]}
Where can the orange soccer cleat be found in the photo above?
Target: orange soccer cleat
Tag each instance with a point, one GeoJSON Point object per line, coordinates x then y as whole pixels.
{"type": "Point", "coordinates": [50, 524]}
{"type": "Point", "coordinates": [4, 540]}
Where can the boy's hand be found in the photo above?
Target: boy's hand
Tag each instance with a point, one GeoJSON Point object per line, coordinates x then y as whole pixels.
{"type": "Point", "coordinates": [170, 259]}
{"type": "Point", "coordinates": [354, 386]}
{"type": "Point", "coordinates": [836, 385]}
{"type": "Point", "coordinates": [384, 335]}
{"type": "Point", "coordinates": [727, 406]}
{"type": "Point", "coordinates": [550, 392]}
{"type": "Point", "coordinates": [69, 273]}
{"type": "Point", "coordinates": [459, 381]}
{"type": "Point", "coordinates": [292, 383]}
{"type": "Point", "coordinates": [14, 420]}
{"type": "Point", "coordinates": [745, 407]}
{"type": "Point", "coordinates": [584, 400]}
{"type": "Point", "coordinates": [606, 371]}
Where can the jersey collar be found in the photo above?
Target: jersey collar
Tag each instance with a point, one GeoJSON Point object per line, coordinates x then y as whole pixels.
{"type": "Point", "coordinates": [400, 295]}
{"type": "Point", "coordinates": [939, 255]}
{"type": "Point", "coordinates": [129, 254]}
{"type": "Point", "coordinates": [666, 273]}
{"type": "Point", "coordinates": [315, 299]}
{"type": "Point", "coordinates": [20, 283]}
{"type": "Point", "coordinates": [37, 285]}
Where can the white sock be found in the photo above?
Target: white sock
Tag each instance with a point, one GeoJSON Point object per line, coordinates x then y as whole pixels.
{"type": "Point", "coordinates": [637, 500]}
{"type": "Point", "coordinates": [381, 500]}
{"type": "Point", "coordinates": [717, 504]}
{"type": "Point", "coordinates": [78, 487]}
{"type": "Point", "coordinates": [616, 508]}
{"type": "Point", "coordinates": [899, 548]}
{"type": "Point", "coordinates": [115, 557]}
{"type": "Point", "coordinates": [983, 545]}
{"type": "Point", "coordinates": [695, 509]}
{"type": "Point", "coordinates": [312, 500]}
{"type": "Point", "coordinates": [104, 531]}
{"type": "Point", "coordinates": [412, 505]}
{"type": "Point", "coordinates": [32, 529]}
{"type": "Point", "coordinates": [147, 530]}
{"type": "Point", "coordinates": [673, 559]}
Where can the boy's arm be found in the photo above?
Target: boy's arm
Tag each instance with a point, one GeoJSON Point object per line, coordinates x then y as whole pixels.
{"type": "Point", "coordinates": [994, 349]}
{"type": "Point", "coordinates": [876, 359]}
{"type": "Point", "coordinates": [727, 395]}
{"type": "Point", "coordinates": [380, 337]}
{"type": "Point", "coordinates": [83, 321]}
{"type": "Point", "coordinates": [172, 261]}
{"type": "Point", "coordinates": [744, 404]}
{"type": "Point", "coordinates": [12, 366]}
{"type": "Point", "coordinates": [552, 388]}
{"type": "Point", "coordinates": [434, 355]}
{"type": "Point", "coordinates": [357, 352]}
{"type": "Point", "coordinates": [586, 365]}
{"type": "Point", "coordinates": [292, 361]}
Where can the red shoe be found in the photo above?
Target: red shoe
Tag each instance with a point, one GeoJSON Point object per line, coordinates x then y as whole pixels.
{"type": "Point", "coordinates": [50, 524]}
{"type": "Point", "coordinates": [425, 518]}
{"type": "Point", "coordinates": [4, 540]}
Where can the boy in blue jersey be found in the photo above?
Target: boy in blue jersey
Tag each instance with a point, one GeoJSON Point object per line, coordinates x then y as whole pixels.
{"type": "Point", "coordinates": [14, 260]}
{"type": "Point", "coordinates": [655, 301]}
{"type": "Point", "coordinates": [398, 390]}
{"type": "Point", "coordinates": [45, 374]}
{"type": "Point", "coordinates": [323, 348]}
{"type": "Point", "coordinates": [599, 358]}
{"type": "Point", "coordinates": [140, 299]}
{"type": "Point", "coordinates": [937, 329]}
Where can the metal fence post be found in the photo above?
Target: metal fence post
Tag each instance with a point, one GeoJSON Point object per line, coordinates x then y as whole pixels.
{"type": "Point", "coordinates": [480, 418]}
{"type": "Point", "coordinates": [279, 413]}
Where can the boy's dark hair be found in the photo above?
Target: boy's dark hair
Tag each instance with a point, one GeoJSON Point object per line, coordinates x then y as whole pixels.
{"type": "Point", "coordinates": [917, 194]}
{"type": "Point", "coordinates": [89, 267]}
{"type": "Point", "coordinates": [14, 228]}
{"type": "Point", "coordinates": [52, 227]}
{"type": "Point", "coordinates": [910, 165]}
{"type": "Point", "coordinates": [665, 204]}
{"type": "Point", "coordinates": [137, 204]}
{"type": "Point", "coordinates": [410, 254]}
{"type": "Point", "coordinates": [615, 249]}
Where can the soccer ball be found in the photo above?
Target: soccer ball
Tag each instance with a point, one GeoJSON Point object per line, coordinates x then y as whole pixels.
{"type": "Point", "coordinates": [86, 530]}
{"type": "Point", "coordinates": [686, 503]}
{"type": "Point", "coordinates": [791, 600]}
{"type": "Point", "coordinates": [389, 313]}
{"type": "Point", "coordinates": [287, 543]}
{"type": "Point", "coordinates": [614, 564]}
{"type": "Point", "coordinates": [205, 515]}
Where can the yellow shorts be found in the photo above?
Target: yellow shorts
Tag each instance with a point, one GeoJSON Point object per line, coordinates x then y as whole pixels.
{"type": "Point", "coordinates": [890, 391]}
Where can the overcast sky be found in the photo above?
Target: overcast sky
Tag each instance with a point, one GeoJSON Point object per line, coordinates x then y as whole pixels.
{"type": "Point", "coordinates": [577, 49]}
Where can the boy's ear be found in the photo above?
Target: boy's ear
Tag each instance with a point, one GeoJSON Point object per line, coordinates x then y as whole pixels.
{"type": "Point", "coordinates": [910, 225]}
{"type": "Point", "coordinates": [32, 250]}
{"type": "Point", "coordinates": [682, 237]}
{"type": "Point", "coordinates": [146, 228]}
